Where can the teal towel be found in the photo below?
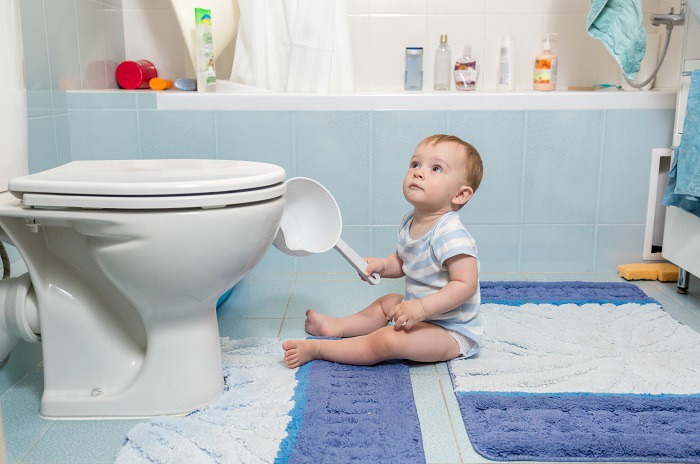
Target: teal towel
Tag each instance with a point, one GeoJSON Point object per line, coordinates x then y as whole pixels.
{"type": "Point", "coordinates": [683, 188]}
{"type": "Point", "coordinates": [618, 24]}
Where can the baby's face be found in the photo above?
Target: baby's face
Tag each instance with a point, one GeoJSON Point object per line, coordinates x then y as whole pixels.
{"type": "Point", "coordinates": [436, 174]}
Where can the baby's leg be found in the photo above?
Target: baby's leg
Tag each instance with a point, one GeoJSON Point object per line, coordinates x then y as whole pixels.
{"type": "Point", "coordinates": [363, 322]}
{"type": "Point", "coordinates": [425, 342]}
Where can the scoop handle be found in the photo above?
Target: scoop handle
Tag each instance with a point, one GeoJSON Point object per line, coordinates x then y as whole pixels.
{"type": "Point", "coordinates": [356, 260]}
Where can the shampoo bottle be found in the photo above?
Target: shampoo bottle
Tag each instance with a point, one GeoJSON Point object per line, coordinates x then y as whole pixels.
{"type": "Point", "coordinates": [506, 64]}
{"type": "Point", "coordinates": [206, 74]}
{"type": "Point", "coordinates": [443, 65]}
{"type": "Point", "coordinates": [466, 71]}
{"type": "Point", "coordinates": [546, 63]}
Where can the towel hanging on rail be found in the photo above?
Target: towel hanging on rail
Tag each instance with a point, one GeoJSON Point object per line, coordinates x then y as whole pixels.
{"type": "Point", "coordinates": [683, 188]}
{"type": "Point", "coordinates": [294, 46]}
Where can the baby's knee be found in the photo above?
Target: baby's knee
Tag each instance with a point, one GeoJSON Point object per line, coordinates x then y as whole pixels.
{"type": "Point", "coordinates": [389, 302]}
{"type": "Point", "coordinates": [386, 343]}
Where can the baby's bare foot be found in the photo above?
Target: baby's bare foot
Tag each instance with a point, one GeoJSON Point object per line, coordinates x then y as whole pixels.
{"type": "Point", "coordinates": [321, 325]}
{"type": "Point", "coordinates": [299, 352]}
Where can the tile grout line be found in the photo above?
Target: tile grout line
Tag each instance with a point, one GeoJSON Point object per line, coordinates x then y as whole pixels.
{"type": "Point", "coordinates": [21, 459]}
{"type": "Point", "coordinates": [447, 408]}
{"type": "Point", "coordinates": [286, 307]}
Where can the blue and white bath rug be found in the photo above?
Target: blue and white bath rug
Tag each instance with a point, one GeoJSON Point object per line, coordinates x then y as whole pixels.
{"type": "Point", "coordinates": [590, 372]}
{"type": "Point", "coordinates": [321, 412]}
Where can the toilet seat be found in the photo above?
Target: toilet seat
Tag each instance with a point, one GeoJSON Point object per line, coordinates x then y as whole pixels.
{"type": "Point", "coordinates": [150, 184]}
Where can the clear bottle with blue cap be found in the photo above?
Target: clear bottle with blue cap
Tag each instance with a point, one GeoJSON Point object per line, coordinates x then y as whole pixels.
{"type": "Point", "coordinates": [413, 78]}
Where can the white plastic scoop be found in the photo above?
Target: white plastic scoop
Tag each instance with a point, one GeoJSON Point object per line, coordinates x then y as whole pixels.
{"type": "Point", "coordinates": [312, 224]}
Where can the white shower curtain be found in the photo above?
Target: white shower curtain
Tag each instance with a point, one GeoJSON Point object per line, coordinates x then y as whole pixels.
{"type": "Point", "coordinates": [294, 46]}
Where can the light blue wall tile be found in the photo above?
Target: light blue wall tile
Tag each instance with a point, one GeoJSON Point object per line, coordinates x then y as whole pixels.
{"type": "Point", "coordinates": [333, 148]}
{"type": "Point", "coordinates": [498, 247]}
{"type": "Point", "coordinates": [36, 58]}
{"type": "Point", "coordinates": [561, 166]}
{"type": "Point", "coordinates": [91, 44]}
{"type": "Point", "coordinates": [275, 261]}
{"type": "Point", "coordinates": [101, 100]}
{"type": "Point", "coordinates": [264, 136]}
{"type": "Point", "coordinates": [146, 100]}
{"type": "Point", "coordinates": [177, 134]}
{"type": "Point", "coordinates": [64, 55]}
{"type": "Point", "coordinates": [395, 135]}
{"type": "Point", "coordinates": [557, 248]}
{"type": "Point", "coordinates": [629, 137]}
{"type": "Point", "coordinates": [499, 137]}
{"type": "Point", "coordinates": [331, 261]}
{"type": "Point", "coordinates": [383, 240]}
{"type": "Point", "coordinates": [103, 135]}
{"type": "Point", "coordinates": [63, 146]}
{"type": "Point", "coordinates": [618, 244]}
{"type": "Point", "coordinates": [42, 144]}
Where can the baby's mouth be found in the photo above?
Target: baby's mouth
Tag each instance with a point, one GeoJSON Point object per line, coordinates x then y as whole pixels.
{"type": "Point", "coordinates": [414, 186]}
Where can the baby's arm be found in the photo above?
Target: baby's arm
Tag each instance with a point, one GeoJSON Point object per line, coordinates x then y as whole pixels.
{"type": "Point", "coordinates": [464, 279]}
{"type": "Point", "coordinates": [390, 267]}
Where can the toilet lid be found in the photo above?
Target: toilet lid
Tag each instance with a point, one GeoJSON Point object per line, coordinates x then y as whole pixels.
{"type": "Point", "coordinates": [164, 183]}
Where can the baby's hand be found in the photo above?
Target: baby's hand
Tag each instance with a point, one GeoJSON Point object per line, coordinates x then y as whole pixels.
{"type": "Point", "coordinates": [374, 265]}
{"type": "Point", "coordinates": [407, 314]}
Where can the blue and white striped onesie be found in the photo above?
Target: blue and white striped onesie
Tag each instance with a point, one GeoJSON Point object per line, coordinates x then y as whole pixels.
{"type": "Point", "coordinates": [426, 273]}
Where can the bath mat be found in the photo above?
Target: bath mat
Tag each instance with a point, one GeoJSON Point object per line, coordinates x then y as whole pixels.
{"type": "Point", "coordinates": [588, 376]}
{"type": "Point", "coordinates": [321, 412]}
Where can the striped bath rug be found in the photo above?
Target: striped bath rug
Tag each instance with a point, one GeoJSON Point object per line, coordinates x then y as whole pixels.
{"type": "Point", "coordinates": [580, 371]}
{"type": "Point", "coordinates": [321, 412]}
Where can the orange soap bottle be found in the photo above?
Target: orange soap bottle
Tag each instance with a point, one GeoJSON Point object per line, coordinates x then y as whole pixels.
{"type": "Point", "coordinates": [545, 77]}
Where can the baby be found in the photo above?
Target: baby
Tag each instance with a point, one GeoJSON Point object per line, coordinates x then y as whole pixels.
{"type": "Point", "coordinates": [438, 319]}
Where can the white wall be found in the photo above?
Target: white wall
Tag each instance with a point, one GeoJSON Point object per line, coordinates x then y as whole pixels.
{"type": "Point", "coordinates": [381, 29]}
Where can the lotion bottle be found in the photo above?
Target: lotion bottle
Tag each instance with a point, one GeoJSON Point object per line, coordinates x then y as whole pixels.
{"type": "Point", "coordinates": [206, 74]}
{"type": "Point", "coordinates": [506, 64]}
{"type": "Point", "coordinates": [545, 76]}
{"type": "Point", "coordinates": [443, 66]}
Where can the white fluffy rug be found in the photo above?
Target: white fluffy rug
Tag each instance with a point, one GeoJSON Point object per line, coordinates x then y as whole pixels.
{"type": "Point", "coordinates": [543, 348]}
{"type": "Point", "coordinates": [245, 425]}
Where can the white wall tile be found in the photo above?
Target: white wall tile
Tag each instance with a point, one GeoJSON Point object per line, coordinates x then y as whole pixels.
{"type": "Point", "coordinates": [578, 58]}
{"type": "Point", "coordinates": [146, 4]}
{"type": "Point", "coordinates": [567, 6]}
{"type": "Point", "coordinates": [456, 6]}
{"type": "Point", "coordinates": [398, 6]}
{"type": "Point", "coordinates": [527, 31]}
{"type": "Point", "coordinates": [357, 6]}
{"type": "Point", "coordinates": [361, 48]}
{"type": "Point", "coordinates": [461, 30]}
{"type": "Point", "coordinates": [516, 6]}
{"type": "Point", "coordinates": [154, 35]}
{"type": "Point", "coordinates": [389, 37]}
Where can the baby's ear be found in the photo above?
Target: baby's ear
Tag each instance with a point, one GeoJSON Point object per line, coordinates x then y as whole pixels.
{"type": "Point", "coordinates": [463, 196]}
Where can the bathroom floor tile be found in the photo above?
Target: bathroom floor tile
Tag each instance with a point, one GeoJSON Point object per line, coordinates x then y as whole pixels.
{"type": "Point", "coordinates": [23, 426]}
{"type": "Point", "coordinates": [80, 442]}
{"type": "Point", "coordinates": [238, 327]}
{"type": "Point", "coordinates": [259, 296]}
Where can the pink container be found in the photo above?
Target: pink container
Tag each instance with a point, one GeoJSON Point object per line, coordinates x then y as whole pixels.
{"type": "Point", "coordinates": [135, 74]}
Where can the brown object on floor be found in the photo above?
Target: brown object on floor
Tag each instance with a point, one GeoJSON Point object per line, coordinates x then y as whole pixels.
{"type": "Point", "coordinates": [663, 272]}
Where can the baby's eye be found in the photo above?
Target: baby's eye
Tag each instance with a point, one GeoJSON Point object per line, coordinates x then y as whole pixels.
{"type": "Point", "coordinates": [437, 169]}
{"type": "Point", "coordinates": [414, 164]}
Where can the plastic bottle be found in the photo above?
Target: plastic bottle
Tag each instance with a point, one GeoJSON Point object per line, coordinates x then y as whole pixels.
{"type": "Point", "coordinates": [466, 70]}
{"type": "Point", "coordinates": [506, 64]}
{"type": "Point", "coordinates": [546, 63]}
{"type": "Point", "coordinates": [413, 78]}
{"type": "Point", "coordinates": [206, 74]}
{"type": "Point", "coordinates": [443, 65]}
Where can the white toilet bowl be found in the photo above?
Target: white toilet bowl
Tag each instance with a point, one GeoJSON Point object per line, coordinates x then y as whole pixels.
{"type": "Point", "coordinates": [127, 260]}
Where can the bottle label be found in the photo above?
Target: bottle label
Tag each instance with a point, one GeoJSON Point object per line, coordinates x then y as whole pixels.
{"type": "Point", "coordinates": [465, 75]}
{"type": "Point", "coordinates": [545, 71]}
{"type": "Point", "coordinates": [503, 76]}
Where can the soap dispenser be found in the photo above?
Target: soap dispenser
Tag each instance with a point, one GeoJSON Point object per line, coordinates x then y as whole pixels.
{"type": "Point", "coordinates": [545, 77]}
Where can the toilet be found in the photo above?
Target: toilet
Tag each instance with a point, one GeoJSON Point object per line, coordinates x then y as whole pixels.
{"type": "Point", "coordinates": [126, 260]}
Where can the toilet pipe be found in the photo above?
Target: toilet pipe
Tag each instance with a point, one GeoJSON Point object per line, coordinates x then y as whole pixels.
{"type": "Point", "coordinates": [19, 314]}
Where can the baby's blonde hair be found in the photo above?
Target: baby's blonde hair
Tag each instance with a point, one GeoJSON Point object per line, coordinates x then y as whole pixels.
{"type": "Point", "coordinates": [474, 166]}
